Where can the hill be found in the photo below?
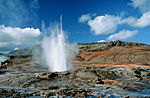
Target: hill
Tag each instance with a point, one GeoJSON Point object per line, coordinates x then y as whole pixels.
{"type": "Point", "coordinates": [99, 72]}
{"type": "Point", "coordinates": [98, 53]}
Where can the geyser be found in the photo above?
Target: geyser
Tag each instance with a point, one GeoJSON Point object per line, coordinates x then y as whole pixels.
{"type": "Point", "coordinates": [56, 52]}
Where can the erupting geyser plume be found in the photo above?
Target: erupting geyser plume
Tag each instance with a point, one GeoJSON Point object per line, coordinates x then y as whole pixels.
{"type": "Point", "coordinates": [56, 53]}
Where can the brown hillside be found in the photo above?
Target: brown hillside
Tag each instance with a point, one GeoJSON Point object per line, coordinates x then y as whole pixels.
{"type": "Point", "coordinates": [132, 55]}
{"type": "Point", "coordinates": [114, 54]}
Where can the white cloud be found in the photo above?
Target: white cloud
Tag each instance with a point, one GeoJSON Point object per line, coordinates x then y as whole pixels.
{"type": "Point", "coordinates": [107, 24]}
{"type": "Point", "coordinates": [102, 41]}
{"type": "Point", "coordinates": [142, 5]}
{"type": "Point", "coordinates": [141, 22]}
{"type": "Point", "coordinates": [10, 37]}
{"type": "Point", "coordinates": [104, 24]}
{"type": "Point", "coordinates": [84, 18]}
{"type": "Point", "coordinates": [130, 21]}
{"type": "Point", "coordinates": [122, 35]}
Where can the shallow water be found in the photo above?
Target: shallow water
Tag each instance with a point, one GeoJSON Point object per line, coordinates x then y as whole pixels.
{"type": "Point", "coordinates": [145, 93]}
{"type": "Point", "coordinates": [29, 91]}
{"type": "Point", "coordinates": [141, 94]}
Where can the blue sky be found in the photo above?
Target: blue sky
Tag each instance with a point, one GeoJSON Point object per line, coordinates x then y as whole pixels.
{"type": "Point", "coordinates": [72, 9]}
{"type": "Point", "coordinates": [83, 20]}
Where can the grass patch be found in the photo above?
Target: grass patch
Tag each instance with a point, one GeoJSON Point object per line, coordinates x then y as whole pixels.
{"type": "Point", "coordinates": [95, 63]}
{"type": "Point", "coordinates": [144, 49]}
{"type": "Point", "coordinates": [89, 66]}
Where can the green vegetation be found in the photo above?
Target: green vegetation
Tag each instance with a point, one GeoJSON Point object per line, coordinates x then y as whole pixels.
{"type": "Point", "coordinates": [94, 63]}
{"type": "Point", "coordinates": [144, 49]}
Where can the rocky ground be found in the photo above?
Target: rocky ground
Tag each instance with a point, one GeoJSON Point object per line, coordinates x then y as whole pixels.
{"type": "Point", "coordinates": [114, 69]}
{"type": "Point", "coordinates": [78, 82]}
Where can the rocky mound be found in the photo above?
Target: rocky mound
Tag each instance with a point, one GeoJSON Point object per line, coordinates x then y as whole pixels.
{"type": "Point", "coordinates": [78, 82]}
{"type": "Point", "coordinates": [95, 47]}
{"type": "Point", "coordinates": [127, 44]}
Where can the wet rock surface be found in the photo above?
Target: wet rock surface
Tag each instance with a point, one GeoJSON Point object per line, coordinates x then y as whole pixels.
{"type": "Point", "coordinates": [77, 82]}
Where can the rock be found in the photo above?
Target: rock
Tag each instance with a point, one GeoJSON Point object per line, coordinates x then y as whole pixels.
{"type": "Point", "coordinates": [86, 78]}
{"type": "Point", "coordinates": [106, 74]}
{"type": "Point", "coordinates": [145, 73]}
{"type": "Point", "coordinates": [6, 92]}
{"type": "Point", "coordinates": [77, 82]}
{"type": "Point", "coordinates": [53, 87]}
{"type": "Point", "coordinates": [132, 73]}
{"type": "Point", "coordinates": [42, 75]}
{"type": "Point", "coordinates": [121, 43]}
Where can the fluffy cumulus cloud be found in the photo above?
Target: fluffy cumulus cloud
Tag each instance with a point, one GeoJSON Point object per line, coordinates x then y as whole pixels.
{"type": "Point", "coordinates": [84, 18]}
{"type": "Point", "coordinates": [18, 12]}
{"type": "Point", "coordinates": [108, 24]}
{"type": "Point", "coordinates": [11, 38]}
{"type": "Point", "coordinates": [144, 20]}
{"type": "Point", "coordinates": [141, 22]}
{"type": "Point", "coordinates": [142, 5]}
{"type": "Point", "coordinates": [104, 24]}
{"type": "Point", "coordinates": [122, 35]}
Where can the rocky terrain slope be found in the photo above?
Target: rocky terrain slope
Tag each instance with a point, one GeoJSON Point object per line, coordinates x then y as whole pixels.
{"type": "Point", "coordinates": [110, 69]}
{"type": "Point", "coordinates": [99, 53]}
{"type": "Point", "coordinates": [115, 52]}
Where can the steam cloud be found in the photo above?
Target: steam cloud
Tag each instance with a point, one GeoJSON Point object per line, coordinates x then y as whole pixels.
{"type": "Point", "coordinates": [55, 53]}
